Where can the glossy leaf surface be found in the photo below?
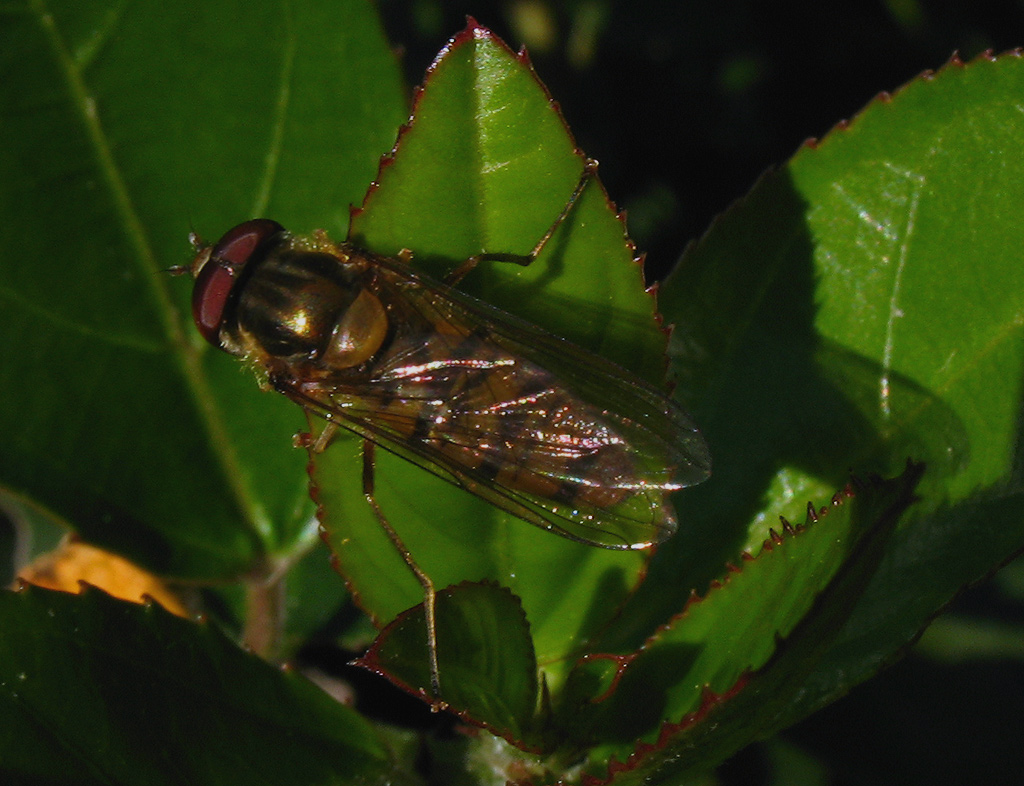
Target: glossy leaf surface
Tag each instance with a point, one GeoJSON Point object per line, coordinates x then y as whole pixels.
{"type": "Point", "coordinates": [861, 306]}
{"type": "Point", "coordinates": [122, 127]}
{"type": "Point", "coordinates": [456, 186]}
{"type": "Point", "coordinates": [720, 673]}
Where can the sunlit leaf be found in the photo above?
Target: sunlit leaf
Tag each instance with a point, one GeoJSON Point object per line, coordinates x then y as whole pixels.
{"type": "Point", "coordinates": [468, 176]}
{"type": "Point", "coordinates": [861, 306]}
{"type": "Point", "coordinates": [114, 415]}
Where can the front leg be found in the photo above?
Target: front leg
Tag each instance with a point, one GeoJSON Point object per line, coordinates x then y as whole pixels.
{"type": "Point", "coordinates": [460, 272]}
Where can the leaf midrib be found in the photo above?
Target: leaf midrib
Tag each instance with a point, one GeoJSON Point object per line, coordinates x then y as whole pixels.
{"type": "Point", "coordinates": [187, 353]}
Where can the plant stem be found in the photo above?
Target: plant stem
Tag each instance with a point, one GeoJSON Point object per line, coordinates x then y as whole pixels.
{"type": "Point", "coordinates": [264, 614]}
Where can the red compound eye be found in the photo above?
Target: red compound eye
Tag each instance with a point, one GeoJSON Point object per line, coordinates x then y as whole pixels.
{"type": "Point", "coordinates": [218, 276]}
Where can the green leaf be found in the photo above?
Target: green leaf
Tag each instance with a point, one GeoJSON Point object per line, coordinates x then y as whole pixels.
{"type": "Point", "coordinates": [860, 306]}
{"type": "Point", "coordinates": [121, 126]}
{"type": "Point", "coordinates": [798, 590]}
{"type": "Point", "coordinates": [724, 721]}
{"type": "Point", "coordinates": [116, 692]}
{"type": "Point", "coordinates": [487, 164]}
{"type": "Point", "coordinates": [485, 656]}
{"type": "Point", "coordinates": [464, 177]}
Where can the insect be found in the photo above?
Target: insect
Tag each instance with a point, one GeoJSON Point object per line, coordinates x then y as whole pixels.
{"type": "Point", "coordinates": [537, 426]}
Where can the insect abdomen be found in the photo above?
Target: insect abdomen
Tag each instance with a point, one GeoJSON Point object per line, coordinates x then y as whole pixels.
{"type": "Point", "coordinates": [506, 419]}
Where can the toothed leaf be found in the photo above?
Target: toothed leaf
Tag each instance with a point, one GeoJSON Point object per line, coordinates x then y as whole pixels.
{"type": "Point", "coordinates": [726, 669]}
{"type": "Point", "coordinates": [488, 672]}
{"type": "Point", "coordinates": [861, 306]}
{"type": "Point", "coordinates": [464, 178]}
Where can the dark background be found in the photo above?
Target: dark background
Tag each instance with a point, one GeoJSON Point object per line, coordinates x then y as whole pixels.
{"type": "Point", "coordinates": [685, 104]}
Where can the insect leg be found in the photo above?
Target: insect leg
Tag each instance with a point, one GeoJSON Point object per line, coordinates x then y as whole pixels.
{"type": "Point", "coordinates": [589, 171]}
{"type": "Point", "coordinates": [325, 437]}
{"type": "Point", "coordinates": [453, 278]}
{"type": "Point", "coordinates": [429, 593]}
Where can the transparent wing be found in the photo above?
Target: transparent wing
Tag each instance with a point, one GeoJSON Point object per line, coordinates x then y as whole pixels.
{"type": "Point", "coordinates": [537, 426]}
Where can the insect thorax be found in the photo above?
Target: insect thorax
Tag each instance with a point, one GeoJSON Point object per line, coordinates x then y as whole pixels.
{"type": "Point", "coordinates": [311, 307]}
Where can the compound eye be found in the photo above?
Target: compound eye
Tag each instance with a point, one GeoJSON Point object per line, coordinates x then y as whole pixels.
{"type": "Point", "coordinates": [217, 277]}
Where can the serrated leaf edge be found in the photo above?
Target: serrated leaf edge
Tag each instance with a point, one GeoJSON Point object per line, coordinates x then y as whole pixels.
{"type": "Point", "coordinates": [710, 700]}
{"type": "Point", "coordinates": [369, 661]}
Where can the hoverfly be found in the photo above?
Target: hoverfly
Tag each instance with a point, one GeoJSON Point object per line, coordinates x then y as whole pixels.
{"type": "Point", "coordinates": [534, 424]}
